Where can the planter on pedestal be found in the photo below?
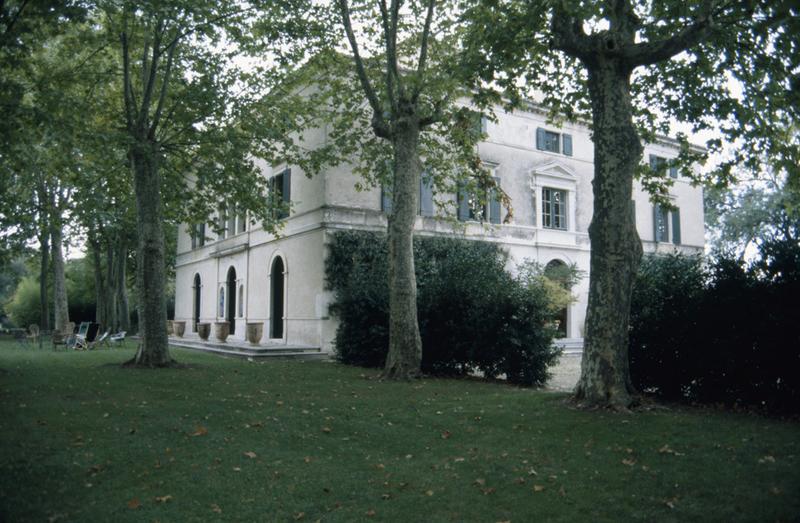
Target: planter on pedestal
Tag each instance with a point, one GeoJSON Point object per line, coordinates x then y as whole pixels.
{"type": "Point", "coordinates": [178, 328]}
{"type": "Point", "coordinates": [203, 330]}
{"type": "Point", "coordinates": [254, 332]}
{"type": "Point", "coordinates": [169, 327]}
{"type": "Point", "coordinates": [221, 330]}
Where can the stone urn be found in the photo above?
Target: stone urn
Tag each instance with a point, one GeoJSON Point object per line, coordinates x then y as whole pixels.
{"type": "Point", "coordinates": [178, 328]}
{"type": "Point", "coordinates": [203, 330]}
{"type": "Point", "coordinates": [221, 330]}
{"type": "Point", "coordinates": [254, 332]}
{"type": "Point", "coordinates": [169, 327]}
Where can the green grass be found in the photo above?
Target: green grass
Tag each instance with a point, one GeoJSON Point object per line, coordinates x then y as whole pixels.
{"type": "Point", "coordinates": [82, 439]}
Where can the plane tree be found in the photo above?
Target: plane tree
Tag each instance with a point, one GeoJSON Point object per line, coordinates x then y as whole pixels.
{"type": "Point", "coordinates": [630, 68]}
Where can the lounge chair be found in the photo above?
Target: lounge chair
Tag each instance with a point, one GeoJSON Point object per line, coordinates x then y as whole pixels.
{"type": "Point", "coordinates": [87, 340]}
{"type": "Point", "coordinates": [117, 338]}
{"type": "Point", "coordinates": [102, 340]}
{"type": "Point", "coordinates": [72, 341]}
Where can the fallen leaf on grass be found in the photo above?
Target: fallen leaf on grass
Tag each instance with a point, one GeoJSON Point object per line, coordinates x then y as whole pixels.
{"type": "Point", "coordinates": [446, 434]}
{"type": "Point", "coordinates": [250, 454]}
{"type": "Point", "coordinates": [370, 513]}
{"type": "Point", "coordinates": [307, 459]}
{"type": "Point", "coordinates": [629, 462]}
{"type": "Point", "coordinates": [299, 516]}
{"type": "Point", "coordinates": [215, 508]}
{"type": "Point", "coordinates": [134, 504]}
{"type": "Point", "coordinates": [767, 459]}
{"type": "Point", "coordinates": [200, 431]}
{"type": "Point", "coordinates": [163, 499]}
{"type": "Point", "coordinates": [480, 481]}
{"type": "Point", "coordinates": [538, 488]}
{"type": "Point", "coordinates": [326, 430]}
{"type": "Point", "coordinates": [429, 493]}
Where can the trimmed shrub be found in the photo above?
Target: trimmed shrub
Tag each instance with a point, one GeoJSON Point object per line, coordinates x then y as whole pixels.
{"type": "Point", "coordinates": [726, 334]}
{"type": "Point", "coordinates": [473, 315]}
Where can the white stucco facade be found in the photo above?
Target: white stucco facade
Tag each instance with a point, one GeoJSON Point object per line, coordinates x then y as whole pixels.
{"type": "Point", "coordinates": [329, 202]}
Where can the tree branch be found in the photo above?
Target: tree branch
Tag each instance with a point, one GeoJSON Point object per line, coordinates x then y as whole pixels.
{"type": "Point", "coordinates": [147, 92]}
{"type": "Point", "coordinates": [391, 54]}
{"type": "Point", "coordinates": [164, 86]}
{"type": "Point", "coordinates": [568, 34]}
{"type": "Point", "coordinates": [126, 79]}
{"type": "Point", "coordinates": [423, 52]}
{"type": "Point", "coordinates": [648, 53]}
{"type": "Point", "coordinates": [372, 98]}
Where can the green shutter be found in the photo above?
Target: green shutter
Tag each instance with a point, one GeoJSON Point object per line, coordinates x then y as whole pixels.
{"type": "Point", "coordinates": [676, 226]}
{"type": "Point", "coordinates": [426, 194]}
{"type": "Point", "coordinates": [463, 205]}
{"type": "Point", "coordinates": [494, 203]}
{"type": "Point", "coordinates": [567, 144]}
{"type": "Point", "coordinates": [386, 201]}
{"type": "Point", "coordinates": [540, 138]}
{"type": "Point", "coordinates": [287, 186]}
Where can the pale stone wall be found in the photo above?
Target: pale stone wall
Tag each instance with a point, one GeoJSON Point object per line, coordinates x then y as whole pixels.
{"type": "Point", "coordinates": [329, 202]}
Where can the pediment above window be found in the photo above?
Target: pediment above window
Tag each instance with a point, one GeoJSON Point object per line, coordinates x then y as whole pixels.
{"type": "Point", "coordinates": [553, 173]}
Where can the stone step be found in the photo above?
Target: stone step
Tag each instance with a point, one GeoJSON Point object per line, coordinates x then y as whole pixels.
{"type": "Point", "coordinates": [248, 351]}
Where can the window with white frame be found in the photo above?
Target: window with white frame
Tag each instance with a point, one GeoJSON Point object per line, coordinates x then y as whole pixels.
{"type": "Point", "coordinates": [554, 208]}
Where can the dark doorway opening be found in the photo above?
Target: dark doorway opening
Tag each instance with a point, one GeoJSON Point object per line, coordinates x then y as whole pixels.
{"type": "Point", "coordinates": [230, 316]}
{"type": "Point", "coordinates": [196, 309]}
{"type": "Point", "coordinates": [276, 298]}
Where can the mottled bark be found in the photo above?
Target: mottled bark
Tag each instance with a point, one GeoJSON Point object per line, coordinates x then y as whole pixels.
{"type": "Point", "coordinates": [111, 289]}
{"type": "Point", "coordinates": [100, 289]}
{"type": "Point", "coordinates": [121, 309]}
{"type": "Point", "coordinates": [405, 345]}
{"type": "Point", "coordinates": [44, 273]}
{"type": "Point", "coordinates": [616, 247]}
{"type": "Point", "coordinates": [150, 272]}
{"type": "Point", "coordinates": [60, 304]}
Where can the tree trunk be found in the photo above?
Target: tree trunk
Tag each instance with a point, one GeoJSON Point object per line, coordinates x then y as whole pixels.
{"type": "Point", "coordinates": [616, 248]}
{"type": "Point", "coordinates": [100, 290]}
{"type": "Point", "coordinates": [122, 311]}
{"type": "Point", "coordinates": [111, 288]}
{"type": "Point", "coordinates": [405, 346]}
{"type": "Point", "coordinates": [60, 305]}
{"type": "Point", "coordinates": [150, 271]}
{"type": "Point", "coordinates": [44, 302]}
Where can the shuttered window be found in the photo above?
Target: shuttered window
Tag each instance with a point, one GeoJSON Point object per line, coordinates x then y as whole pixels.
{"type": "Point", "coordinates": [426, 194]}
{"type": "Point", "coordinates": [553, 142]}
{"type": "Point", "coordinates": [280, 188]}
{"type": "Point", "coordinates": [676, 226]}
{"type": "Point", "coordinates": [554, 208]}
{"type": "Point", "coordinates": [660, 224]}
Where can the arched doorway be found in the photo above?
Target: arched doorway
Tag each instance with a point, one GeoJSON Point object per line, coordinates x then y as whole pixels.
{"type": "Point", "coordinates": [230, 313]}
{"type": "Point", "coordinates": [277, 287]}
{"type": "Point", "coordinates": [559, 272]}
{"type": "Point", "coordinates": [196, 303]}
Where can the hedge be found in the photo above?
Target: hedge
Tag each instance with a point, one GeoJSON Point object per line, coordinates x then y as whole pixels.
{"type": "Point", "coordinates": [473, 315]}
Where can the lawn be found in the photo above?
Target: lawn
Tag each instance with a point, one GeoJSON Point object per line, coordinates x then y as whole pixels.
{"type": "Point", "coordinates": [82, 439]}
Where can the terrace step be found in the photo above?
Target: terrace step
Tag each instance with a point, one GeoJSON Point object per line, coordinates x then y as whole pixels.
{"type": "Point", "coordinates": [238, 349]}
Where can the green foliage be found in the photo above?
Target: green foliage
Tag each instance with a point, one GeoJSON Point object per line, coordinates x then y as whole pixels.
{"type": "Point", "coordinates": [23, 307]}
{"type": "Point", "coordinates": [473, 315]}
{"type": "Point", "coordinates": [726, 334]}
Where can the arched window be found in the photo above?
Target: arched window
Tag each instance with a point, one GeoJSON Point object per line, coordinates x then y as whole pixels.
{"type": "Point", "coordinates": [241, 301]}
{"type": "Point", "coordinates": [196, 302]}
{"type": "Point", "coordinates": [559, 272]}
{"type": "Point", "coordinates": [277, 286]}
{"type": "Point", "coordinates": [230, 317]}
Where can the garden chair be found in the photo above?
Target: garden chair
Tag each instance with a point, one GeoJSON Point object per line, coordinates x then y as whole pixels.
{"type": "Point", "coordinates": [86, 341]}
{"type": "Point", "coordinates": [64, 338]}
{"type": "Point", "coordinates": [117, 338]}
{"type": "Point", "coordinates": [102, 340]}
{"type": "Point", "coordinates": [72, 341]}
{"type": "Point", "coordinates": [33, 332]}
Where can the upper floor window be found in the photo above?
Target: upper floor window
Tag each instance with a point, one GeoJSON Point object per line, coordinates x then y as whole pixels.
{"type": "Point", "coordinates": [479, 206]}
{"type": "Point", "coordinates": [659, 163]}
{"type": "Point", "coordinates": [553, 142]}
{"type": "Point", "coordinates": [198, 234]}
{"type": "Point", "coordinates": [554, 208]}
{"type": "Point", "coordinates": [662, 222]}
{"type": "Point", "coordinates": [280, 189]}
